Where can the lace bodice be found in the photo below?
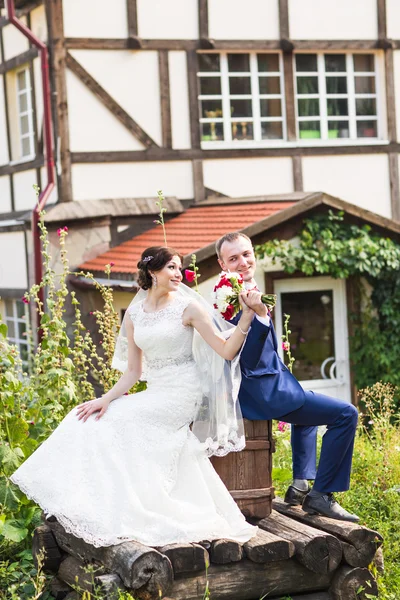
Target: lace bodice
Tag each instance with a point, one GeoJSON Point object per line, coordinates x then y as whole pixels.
{"type": "Point", "coordinates": [161, 335]}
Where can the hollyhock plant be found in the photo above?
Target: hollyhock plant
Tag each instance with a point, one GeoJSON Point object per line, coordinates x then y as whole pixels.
{"type": "Point", "coordinates": [226, 295]}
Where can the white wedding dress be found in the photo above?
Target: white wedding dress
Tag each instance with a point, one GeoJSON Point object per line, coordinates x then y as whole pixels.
{"type": "Point", "coordinates": [138, 473]}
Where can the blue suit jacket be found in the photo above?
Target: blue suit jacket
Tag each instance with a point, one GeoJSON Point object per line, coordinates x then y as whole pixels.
{"type": "Point", "coordinates": [268, 389]}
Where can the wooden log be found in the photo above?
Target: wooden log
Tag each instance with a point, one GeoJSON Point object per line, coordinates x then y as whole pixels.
{"type": "Point", "coordinates": [43, 541]}
{"type": "Point", "coordinates": [379, 561]}
{"type": "Point", "coordinates": [109, 586]}
{"type": "Point", "coordinates": [59, 589]}
{"type": "Point", "coordinates": [267, 547]}
{"type": "Point", "coordinates": [318, 551]}
{"type": "Point", "coordinates": [359, 543]}
{"type": "Point", "coordinates": [247, 580]}
{"type": "Point", "coordinates": [77, 575]}
{"type": "Point", "coordinates": [186, 558]}
{"type": "Point", "coordinates": [141, 568]}
{"type": "Point", "coordinates": [223, 552]}
{"type": "Point", "coordinates": [317, 596]}
{"type": "Point", "coordinates": [353, 582]}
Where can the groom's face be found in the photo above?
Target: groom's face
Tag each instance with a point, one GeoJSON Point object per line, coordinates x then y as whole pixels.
{"type": "Point", "coordinates": [238, 256]}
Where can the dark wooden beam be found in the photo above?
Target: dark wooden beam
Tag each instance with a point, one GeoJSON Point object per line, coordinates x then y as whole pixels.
{"type": "Point", "coordinates": [390, 96]}
{"type": "Point", "coordinates": [290, 101]}
{"type": "Point", "coordinates": [58, 57]}
{"type": "Point", "coordinates": [284, 19]}
{"type": "Point", "coordinates": [335, 44]}
{"type": "Point", "coordinates": [17, 61]}
{"type": "Point", "coordinates": [198, 181]}
{"type": "Point", "coordinates": [193, 98]}
{"type": "Point", "coordinates": [297, 174]}
{"type": "Point", "coordinates": [165, 99]}
{"type": "Point", "coordinates": [394, 185]}
{"type": "Point", "coordinates": [203, 19]}
{"type": "Point", "coordinates": [9, 169]}
{"type": "Point", "coordinates": [109, 102]}
{"type": "Point", "coordinates": [8, 125]}
{"type": "Point", "coordinates": [382, 22]}
{"type": "Point", "coordinates": [131, 8]}
{"type": "Point", "coordinates": [166, 154]}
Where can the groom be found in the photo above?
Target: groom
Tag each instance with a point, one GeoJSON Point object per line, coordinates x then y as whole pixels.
{"type": "Point", "coordinates": [269, 391]}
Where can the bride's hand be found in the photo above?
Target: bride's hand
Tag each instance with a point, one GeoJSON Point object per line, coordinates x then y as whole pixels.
{"type": "Point", "coordinates": [88, 408]}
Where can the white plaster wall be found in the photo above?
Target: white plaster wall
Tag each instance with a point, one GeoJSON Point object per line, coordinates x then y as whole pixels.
{"type": "Point", "coordinates": [39, 23]}
{"type": "Point", "coordinates": [92, 127]}
{"type": "Point", "coordinates": [54, 194]}
{"type": "Point", "coordinates": [252, 20]}
{"type": "Point", "coordinates": [5, 194]}
{"type": "Point", "coordinates": [12, 272]}
{"type": "Point", "coordinates": [24, 194]}
{"type": "Point", "coordinates": [238, 177]}
{"type": "Point", "coordinates": [95, 18]}
{"type": "Point", "coordinates": [324, 19]}
{"type": "Point", "coordinates": [14, 41]}
{"type": "Point", "coordinates": [168, 19]}
{"type": "Point", "coordinates": [4, 158]}
{"type": "Point", "coordinates": [37, 74]}
{"type": "Point", "coordinates": [135, 180]}
{"type": "Point", "coordinates": [393, 18]}
{"type": "Point", "coordinates": [179, 94]}
{"type": "Point", "coordinates": [132, 79]}
{"type": "Point", "coordinates": [362, 180]}
{"type": "Point", "coordinates": [396, 60]}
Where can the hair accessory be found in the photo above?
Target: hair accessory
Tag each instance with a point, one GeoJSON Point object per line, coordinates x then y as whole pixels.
{"type": "Point", "coordinates": [147, 258]}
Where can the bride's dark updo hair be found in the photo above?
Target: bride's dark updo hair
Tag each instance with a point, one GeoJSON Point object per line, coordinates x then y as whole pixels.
{"type": "Point", "coordinates": [153, 259]}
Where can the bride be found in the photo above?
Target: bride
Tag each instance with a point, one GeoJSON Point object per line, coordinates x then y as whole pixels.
{"type": "Point", "coordinates": [128, 467]}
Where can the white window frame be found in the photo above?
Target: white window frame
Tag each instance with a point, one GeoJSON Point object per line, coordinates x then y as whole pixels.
{"type": "Point", "coordinates": [16, 320]}
{"type": "Point", "coordinates": [255, 98]}
{"type": "Point", "coordinates": [351, 97]}
{"type": "Point", "coordinates": [30, 134]}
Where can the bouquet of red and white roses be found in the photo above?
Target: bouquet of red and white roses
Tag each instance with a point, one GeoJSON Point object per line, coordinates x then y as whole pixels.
{"type": "Point", "coordinates": [226, 295]}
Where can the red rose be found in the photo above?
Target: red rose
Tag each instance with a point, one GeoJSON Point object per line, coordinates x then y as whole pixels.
{"type": "Point", "coordinates": [223, 281]}
{"type": "Point", "coordinates": [228, 314]}
{"type": "Point", "coordinates": [190, 275]}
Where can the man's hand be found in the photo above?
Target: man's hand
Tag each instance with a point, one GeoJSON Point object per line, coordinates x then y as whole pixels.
{"type": "Point", "coordinates": [253, 301]}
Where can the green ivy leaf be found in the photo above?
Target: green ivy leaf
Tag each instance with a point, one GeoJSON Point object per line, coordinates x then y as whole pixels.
{"type": "Point", "coordinates": [14, 530]}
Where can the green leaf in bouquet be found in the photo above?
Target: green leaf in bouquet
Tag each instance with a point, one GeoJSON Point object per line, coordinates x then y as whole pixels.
{"type": "Point", "coordinates": [14, 530]}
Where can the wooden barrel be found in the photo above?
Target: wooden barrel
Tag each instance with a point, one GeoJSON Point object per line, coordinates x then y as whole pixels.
{"type": "Point", "coordinates": [247, 474]}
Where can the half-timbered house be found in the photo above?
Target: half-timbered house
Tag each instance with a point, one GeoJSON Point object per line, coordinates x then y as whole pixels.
{"type": "Point", "coordinates": [247, 115]}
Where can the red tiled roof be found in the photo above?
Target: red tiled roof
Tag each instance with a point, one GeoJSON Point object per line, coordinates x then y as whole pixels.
{"type": "Point", "coordinates": [196, 228]}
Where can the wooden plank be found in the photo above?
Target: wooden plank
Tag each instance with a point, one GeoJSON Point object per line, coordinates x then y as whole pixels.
{"type": "Point", "coordinates": [129, 123]}
{"type": "Point", "coordinates": [165, 99]}
{"type": "Point", "coordinates": [81, 43]}
{"type": "Point", "coordinates": [192, 67]}
{"type": "Point", "coordinates": [390, 96]}
{"type": "Point", "coordinates": [290, 100]}
{"type": "Point", "coordinates": [297, 167]}
{"type": "Point", "coordinates": [9, 169]}
{"type": "Point", "coordinates": [335, 44]}
{"type": "Point", "coordinates": [198, 181]}
{"type": "Point", "coordinates": [266, 547]}
{"type": "Point", "coordinates": [284, 19]}
{"type": "Point", "coordinates": [394, 186]}
{"type": "Point", "coordinates": [131, 8]}
{"type": "Point", "coordinates": [17, 61]}
{"type": "Point", "coordinates": [57, 55]}
{"type": "Point", "coordinates": [203, 19]}
{"type": "Point", "coordinates": [382, 23]}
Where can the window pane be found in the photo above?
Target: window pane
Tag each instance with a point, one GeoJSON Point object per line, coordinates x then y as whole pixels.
{"type": "Point", "coordinates": [336, 85]}
{"type": "Point", "coordinates": [23, 102]}
{"type": "Point", "coordinates": [208, 62]}
{"type": "Point", "coordinates": [11, 329]}
{"type": "Point", "coordinates": [269, 85]}
{"type": "Point", "coordinates": [23, 348]}
{"type": "Point", "coordinates": [337, 107]}
{"type": "Point", "coordinates": [307, 85]}
{"type": "Point", "coordinates": [271, 130]}
{"type": "Point", "coordinates": [338, 129]}
{"type": "Point", "coordinates": [20, 309]}
{"type": "Point", "coordinates": [22, 331]}
{"type": "Point", "coordinates": [211, 132]}
{"type": "Point", "coordinates": [367, 129]}
{"type": "Point", "coordinates": [242, 131]}
{"type": "Point", "coordinates": [239, 63]}
{"type": "Point", "coordinates": [26, 147]}
{"type": "Point", "coordinates": [21, 80]}
{"type": "Point", "coordinates": [239, 85]}
{"type": "Point", "coordinates": [241, 108]}
{"type": "Point", "coordinates": [24, 121]}
{"type": "Point", "coordinates": [210, 86]}
{"type": "Point", "coordinates": [365, 106]}
{"type": "Point", "coordinates": [270, 108]}
{"type": "Point", "coordinates": [211, 109]}
{"type": "Point", "coordinates": [365, 85]}
{"type": "Point", "coordinates": [9, 308]}
{"type": "Point", "coordinates": [309, 130]}
{"type": "Point", "coordinates": [268, 62]}
{"type": "Point", "coordinates": [335, 62]}
{"type": "Point", "coordinates": [308, 107]}
{"type": "Point", "coordinates": [306, 62]}
{"type": "Point", "coordinates": [364, 63]}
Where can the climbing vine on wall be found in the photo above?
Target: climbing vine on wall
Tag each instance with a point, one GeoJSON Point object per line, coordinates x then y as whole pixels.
{"type": "Point", "coordinates": [327, 245]}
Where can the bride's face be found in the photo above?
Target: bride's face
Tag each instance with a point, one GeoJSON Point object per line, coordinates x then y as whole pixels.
{"type": "Point", "coordinates": [171, 275]}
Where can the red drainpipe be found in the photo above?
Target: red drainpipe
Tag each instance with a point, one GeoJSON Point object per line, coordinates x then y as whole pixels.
{"type": "Point", "coordinates": [48, 136]}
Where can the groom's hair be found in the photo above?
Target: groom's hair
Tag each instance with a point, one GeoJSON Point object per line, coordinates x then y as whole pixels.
{"type": "Point", "coordinates": [229, 237]}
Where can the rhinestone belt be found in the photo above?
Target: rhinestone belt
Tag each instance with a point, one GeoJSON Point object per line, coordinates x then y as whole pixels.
{"type": "Point", "coordinates": [159, 363]}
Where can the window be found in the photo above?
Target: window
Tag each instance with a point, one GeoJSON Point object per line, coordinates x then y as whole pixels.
{"type": "Point", "coordinates": [16, 319]}
{"type": "Point", "coordinates": [336, 96]}
{"type": "Point", "coordinates": [25, 113]}
{"type": "Point", "coordinates": [241, 98]}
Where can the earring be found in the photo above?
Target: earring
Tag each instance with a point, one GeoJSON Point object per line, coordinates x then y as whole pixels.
{"type": "Point", "coordinates": [154, 278]}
